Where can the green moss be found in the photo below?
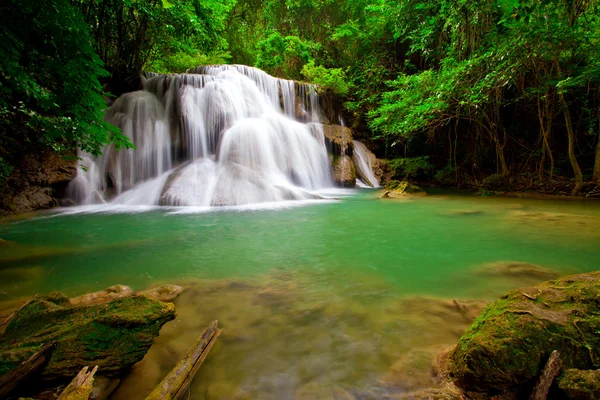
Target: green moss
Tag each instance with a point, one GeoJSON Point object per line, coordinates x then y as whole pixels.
{"type": "Point", "coordinates": [113, 335]}
{"type": "Point", "coordinates": [580, 385]}
{"type": "Point", "coordinates": [511, 340]}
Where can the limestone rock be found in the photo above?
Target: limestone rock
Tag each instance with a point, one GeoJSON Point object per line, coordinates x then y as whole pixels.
{"type": "Point", "coordinates": [580, 385]}
{"type": "Point", "coordinates": [508, 345]}
{"type": "Point", "coordinates": [162, 293]}
{"type": "Point", "coordinates": [113, 335]}
{"type": "Point", "coordinates": [338, 139]}
{"type": "Point", "coordinates": [103, 296]}
{"type": "Point", "coordinates": [344, 172]}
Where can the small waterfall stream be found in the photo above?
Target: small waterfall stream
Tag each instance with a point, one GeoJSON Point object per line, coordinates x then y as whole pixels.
{"type": "Point", "coordinates": [216, 136]}
{"type": "Point", "coordinates": [363, 164]}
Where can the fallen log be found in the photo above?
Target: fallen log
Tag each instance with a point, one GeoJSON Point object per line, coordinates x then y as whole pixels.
{"type": "Point", "coordinates": [176, 383]}
{"type": "Point", "coordinates": [550, 372]}
{"type": "Point", "coordinates": [80, 387]}
{"type": "Point", "coordinates": [13, 379]}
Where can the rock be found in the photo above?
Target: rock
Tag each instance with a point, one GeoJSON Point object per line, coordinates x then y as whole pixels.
{"type": "Point", "coordinates": [344, 172]}
{"type": "Point", "coordinates": [38, 182]}
{"type": "Point", "coordinates": [103, 296]}
{"type": "Point", "coordinates": [580, 385]}
{"type": "Point", "coordinates": [517, 269]}
{"type": "Point", "coordinates": [411, 372]}
{"type": "Point", "coordinates": [572, 224]}
{"type": "Point", "coordinates": [338, 139]}
{"type": "Point", "coordinates": [431, 394]}
{"type": "Point", "coordinates": [114, 336]}
{"type": "Point", "coordinates": [509, 343]}
{"type": "Point", "coordinates": [398, 189]}
{"type": "Point", "coordinates": [162, 293]}
{"type": "Point", "coordinates": [103, 387]}
{"type": "Point", "coordinates": [462, 213]}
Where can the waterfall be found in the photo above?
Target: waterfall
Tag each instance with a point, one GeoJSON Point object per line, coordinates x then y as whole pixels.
{"type": "Point", "coordinates": [363, 163]}
{"type": "Point", "coordinates": [215, 136]}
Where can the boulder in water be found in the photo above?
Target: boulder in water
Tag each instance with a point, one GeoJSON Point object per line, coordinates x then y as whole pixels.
{"type": "Point", "coordinates": [495, 182]}
{"type": "Point", "coordinates": [517, 269]}
{"type": "Point", "coordinates": [506, 348]}
{"type": "Point", "coordinates": [344, 172]}
{"type": "Point", "coordinates": [103, 296]}
{"type": "Point", "coordinates": [398, 189]}
{"type": "Point", "coordinates": [113, 335]}
{"type": "Point", "coordinates": [162, 293]}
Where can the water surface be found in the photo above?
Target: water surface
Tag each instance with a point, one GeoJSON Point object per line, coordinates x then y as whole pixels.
{"type": "Point", "coordinates": [318, 301]}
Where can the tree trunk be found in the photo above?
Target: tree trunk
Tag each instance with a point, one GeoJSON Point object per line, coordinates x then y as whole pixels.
{"type": "Point", "coordinates": [571, 134]}
{"type": "Point", "coordinates": [596, 175]}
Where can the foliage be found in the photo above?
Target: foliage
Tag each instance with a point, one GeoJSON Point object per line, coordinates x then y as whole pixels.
{"type": "Point", "coordinates": [410, 167]}
{"type": "Point", "coordinates": [331, 79]}
{"type": "Point", "coordinates": [284, 56]}
{"type": "Point", "coordinates": [49, 90]}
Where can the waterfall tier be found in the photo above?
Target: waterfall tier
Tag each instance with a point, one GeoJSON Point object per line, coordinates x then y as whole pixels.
{"type": "Point", "coordinates": [216, 136]}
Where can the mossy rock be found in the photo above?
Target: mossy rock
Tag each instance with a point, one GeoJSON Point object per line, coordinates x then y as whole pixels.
{"type": "Point", "coordinates": [112, 335]}
{"type": "Point", "coordinates": [396, 189]}
{"type": "Point", "coordinates": [506, 348]}
{"type": "Point", "coordinates": [580, 385]}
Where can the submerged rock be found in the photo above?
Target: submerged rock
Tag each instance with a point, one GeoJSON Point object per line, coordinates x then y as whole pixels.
{"type": "Point", "coordinates": [112, 335]}
{"type": "Point", "coordinates": [103, 296]}
{"type": "Point", "coordinates": [508, 345]}
{"type": "Point", "coordinates": [344, 172]}
{"type": "Point", "coordinates": [580, 385]}
{"type": "Point", "coordinates": [162, 293]}
{"type": "Point", "coordinates": [517, 269]}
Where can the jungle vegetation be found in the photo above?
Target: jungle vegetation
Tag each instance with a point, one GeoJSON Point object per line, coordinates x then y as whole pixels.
{"type": "Point", "coordinates": [460, 88]}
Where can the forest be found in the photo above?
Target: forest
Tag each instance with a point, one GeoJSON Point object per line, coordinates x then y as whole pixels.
{"type": "Point", "coordinates": [450, 91]}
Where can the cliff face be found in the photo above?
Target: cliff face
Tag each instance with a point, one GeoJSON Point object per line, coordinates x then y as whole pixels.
{"type": "Point", "coordinates": [37, 183]}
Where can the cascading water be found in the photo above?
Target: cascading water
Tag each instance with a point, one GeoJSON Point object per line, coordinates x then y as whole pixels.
{"type": "Point", "coordinates": [364, 165]}
{"type": "Point", "coordinates": [217, 136]}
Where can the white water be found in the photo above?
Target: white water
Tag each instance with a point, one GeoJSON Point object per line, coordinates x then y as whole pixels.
{"type": "Point", "coordinates": [219, 136]}
{"type": "Point", "coordinates": [363, 164]}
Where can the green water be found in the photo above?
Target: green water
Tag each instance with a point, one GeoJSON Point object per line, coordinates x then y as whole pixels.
{"type": "Point", "coordinates": [326, 288]}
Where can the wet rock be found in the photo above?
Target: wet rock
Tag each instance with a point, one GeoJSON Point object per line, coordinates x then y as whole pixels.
{"type": "Point", "coordinates": [344, 172]}
{"type": "Point", "coordinates": [463, 213]}
{"type": "Point", "coordinates": [103, 296]}
{"type": "Point", "coordinates": [580, 385]}
{"type": "Point", "coordinates": [517, 269]}
{"type": "Point", "coordinates": [162, 293]}
{"type": "Point", "coordinates": [398, 189]}
{"type": "Point", "coordinates": [338, 140]}
{"type": "Point", "coordinates": [103, 387]}
{"type": "Point", "coordinates": [508, 345]}
{"type": "Point", "coordinates": [113, 335]}
{"type": "Point", "coordinates": [431, 394]}
{"type": "Point", "coordinates": [495, 182]}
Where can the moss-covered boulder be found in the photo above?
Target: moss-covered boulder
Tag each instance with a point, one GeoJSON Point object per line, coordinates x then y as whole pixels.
{"type": "Point", "coordinates": [580, 385]}
{"type": "Point", "coordinates": [397, 189]}
{"type": "Point", "coordinates": [112, 335]}
{"type": "Point", "coordinates": [509, 343]}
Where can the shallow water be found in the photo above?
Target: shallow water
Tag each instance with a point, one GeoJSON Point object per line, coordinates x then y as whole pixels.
{"type": "Point", "coordinates": [322, 300]}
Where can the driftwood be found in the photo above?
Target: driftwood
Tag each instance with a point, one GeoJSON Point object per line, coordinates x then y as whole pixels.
{"type": "Point", "coordinates": [80, 387]}
{"type": "Point", "coordinates": [12, 380]}
{"type": "Point", "coordinates": [551, 371]}
{"type": "Point", "coordinates": [176, 383]}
